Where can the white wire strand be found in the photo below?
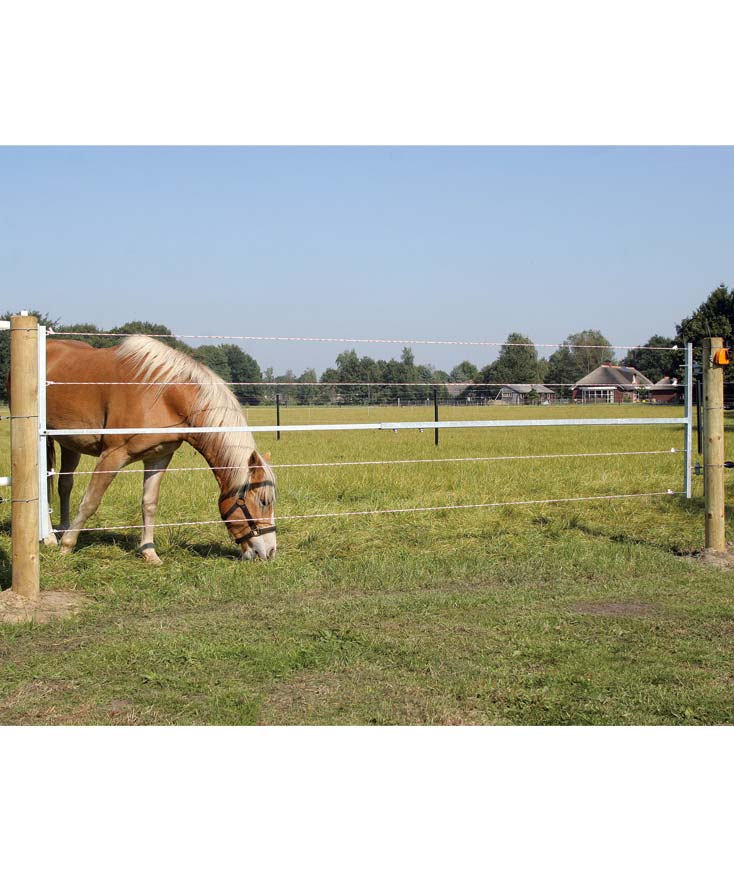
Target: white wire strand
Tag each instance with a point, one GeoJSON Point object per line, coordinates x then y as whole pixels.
{"type": "Point", "coordinates": [376, 511]}
{"type": "Point", "coordinates": [668, 452]}
{"type": "Point", "coordinates": [372, 341]}
{"type": "Point", "coordinates": [325, 383]}
{"type": "Point", "coordinates": [382, 426]}
{"type": "Point", "coordinates": [467, 385]}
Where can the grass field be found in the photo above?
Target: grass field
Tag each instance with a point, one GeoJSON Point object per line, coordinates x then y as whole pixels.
{"type": "Point", "coordinates": [590, 612]}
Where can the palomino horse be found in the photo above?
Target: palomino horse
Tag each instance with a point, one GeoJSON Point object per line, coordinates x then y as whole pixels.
{"type": "Point", "coordinates": [247, 487]}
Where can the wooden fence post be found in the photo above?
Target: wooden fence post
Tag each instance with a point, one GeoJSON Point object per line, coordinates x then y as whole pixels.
{"type": "Point", "coordinates": [713, 447]}
{"type": "Point", "coordinates": [24, 454]}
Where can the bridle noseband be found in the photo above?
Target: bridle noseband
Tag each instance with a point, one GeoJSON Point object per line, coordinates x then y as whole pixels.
{"type": "Point", "coordinates": [241, 503]}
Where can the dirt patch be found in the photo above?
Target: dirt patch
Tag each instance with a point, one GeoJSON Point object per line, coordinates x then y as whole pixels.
{"type": "Point", "coordinates": [55, 703]}
{"type": "Point", "coordinates": [291, 700]}
{"type": "Point", "coordinates": [34, 692]}
{"type": "Point", "coordinates": [716, 559]}
{"type": "Point", "coordinates": [617, 609]}
{"type": "Point", "coordinates": [359, 697]}
{"type": "Point", "coordinates": [51, 605]}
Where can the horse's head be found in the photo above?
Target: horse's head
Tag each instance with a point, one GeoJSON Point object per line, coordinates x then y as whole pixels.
{"type": "Point", "coordinates": [249, 509]}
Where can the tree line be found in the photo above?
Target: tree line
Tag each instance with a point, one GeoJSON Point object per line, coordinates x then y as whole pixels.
{"type": "Point", "coordinates": [518, 362]}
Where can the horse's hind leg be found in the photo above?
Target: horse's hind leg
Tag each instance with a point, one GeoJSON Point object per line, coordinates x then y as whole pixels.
{"type": "Point", "coordinates": [152, 479]}
{"type": "Point", "coordinates": [108, 465]}
{"type": "Point", "coordinates": [69, 462]}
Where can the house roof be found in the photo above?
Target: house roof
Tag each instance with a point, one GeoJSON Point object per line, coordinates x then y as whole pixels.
{"type": "Point", "coordinates": [527, 388]}
{"type": "Point", "coordinates": [666, 383]}
{"type": "Point", "coordinates": [606, 375]}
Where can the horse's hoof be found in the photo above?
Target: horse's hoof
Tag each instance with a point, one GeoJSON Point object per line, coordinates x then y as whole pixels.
{"type": "Point", "coordinates": [65, 548]}
{"type": "Point", "coordinates": [151, 557]}
{"type": "Point", "coordinates": [51, 540]}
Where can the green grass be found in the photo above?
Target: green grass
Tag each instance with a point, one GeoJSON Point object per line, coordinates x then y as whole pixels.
{"type": "Point", "coordinates": [590, 612]}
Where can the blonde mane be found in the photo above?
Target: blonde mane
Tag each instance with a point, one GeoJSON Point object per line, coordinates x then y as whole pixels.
{"type": "Point", "coordinates": [216, 405]}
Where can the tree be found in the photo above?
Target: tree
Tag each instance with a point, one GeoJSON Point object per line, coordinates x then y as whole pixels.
{"type": "Point", "coordinates": [429, 375]}
{"type": "Point", "coordinates": [230, 362]}
{"type": "Point", "coordinates": [517, 363]}
{"type": "Point", "coordinates": [304, 395]}
{"type": "Point", "coordinates": [407, 358]}
{"type": "Point", "coordinates": [243, 367]}
{"type": "Point", "coordinates": [542, 370]}
{"type": "Point", "coordinates": [463, 372]}
{"type": "Point", "coordinates": [94, 341]}
{"type": "Point", "coordinates": [589, 349]}
{"type": "Point", "coordinates": [146, 328]}
{"type": "Point", "coordinates": [578, 355]}
{"type": "Point", "coordinates": [655, 364]}
{"type": "Point", "coordinates": [714, 317]}
{"type": "Point", "coordinates": [215, 358]}
{"type": "Point", "coordinates": [562, 369]}
{"type": "Point", "coordinates": [44, 319]}
{"type": "Point", "coordinates": [349, 367]}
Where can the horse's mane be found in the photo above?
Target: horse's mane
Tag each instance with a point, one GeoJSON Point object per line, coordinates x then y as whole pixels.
{"type": "Point", "coordinates": [215, 404]}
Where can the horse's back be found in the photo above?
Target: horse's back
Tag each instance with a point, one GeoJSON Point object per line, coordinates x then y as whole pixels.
{"type": "Point", "coordinates": [77, 405]}
{"type": "Point", "coordinates": [97, 388]}
{"type": "Point", "coordinates": [78, 371]}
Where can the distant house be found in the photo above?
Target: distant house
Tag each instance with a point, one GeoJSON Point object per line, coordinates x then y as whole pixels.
{"type": "Point", "coordinates": [608, 383]}
{"type": "Point", "coordinates": [666, 390]}
{"type": "Point", "coordinates": [522, 394]}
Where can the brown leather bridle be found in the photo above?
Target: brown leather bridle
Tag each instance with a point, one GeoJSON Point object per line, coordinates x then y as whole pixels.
{"type": "Point", "coordinates": [241, 504]}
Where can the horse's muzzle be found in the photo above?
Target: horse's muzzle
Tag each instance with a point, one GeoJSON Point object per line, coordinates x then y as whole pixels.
{"type": "Point", "coordinates": [259, 549]}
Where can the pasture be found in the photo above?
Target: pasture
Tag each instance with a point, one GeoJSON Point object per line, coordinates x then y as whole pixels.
{"type": "Point", "coordinates": [576, 613]}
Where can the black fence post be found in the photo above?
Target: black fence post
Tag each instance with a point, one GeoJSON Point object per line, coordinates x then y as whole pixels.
{"type": "Point", "coordinates": [435, 415]}
{"type": "Point", "coordinates": [277, 415]}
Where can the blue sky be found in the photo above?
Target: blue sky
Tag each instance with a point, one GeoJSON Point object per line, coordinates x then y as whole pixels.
{"type": "Point", "coordinates": [450, 243]}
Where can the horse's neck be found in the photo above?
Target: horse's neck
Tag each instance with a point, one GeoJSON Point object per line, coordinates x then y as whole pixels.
{"type": "Point", "coordinates": [228, 477]}
{"type": "Point", "coordinates": [224, 451]}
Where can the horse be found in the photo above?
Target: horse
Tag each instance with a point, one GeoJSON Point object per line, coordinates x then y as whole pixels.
{"type": "Point", "coordinates": [139, 394]}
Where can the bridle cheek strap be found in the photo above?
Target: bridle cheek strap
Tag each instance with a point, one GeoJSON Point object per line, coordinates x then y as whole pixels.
{"type": "Point", "coordinates": [241, 503]}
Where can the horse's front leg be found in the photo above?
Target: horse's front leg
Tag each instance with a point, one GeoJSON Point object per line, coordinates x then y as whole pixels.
{"type": "Point", "coordinates": [152, 479]}
{"type": "Point", "coordinates": [108, 465]}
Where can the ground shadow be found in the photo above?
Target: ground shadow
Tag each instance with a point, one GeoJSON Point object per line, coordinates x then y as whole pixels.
{"type": "Point", "coordinates": [212, 550]}
{"type": "Point", "coordinates": [696, 506]}
{"type": "Point", "coordinates": [130, 542]}
{"type": "Point", "coordinates": [114, 539]}
{"type": "Point", "coordinates": [87, 539]}
{"type": "Point", "coordinates": [626, 538]}
{"type": "Point", "coordinates": [5, 570]}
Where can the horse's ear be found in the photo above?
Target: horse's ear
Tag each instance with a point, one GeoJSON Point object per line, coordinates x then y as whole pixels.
{"type": "Point", "coordinates": [266, 456]}
{"type": "Point", "coordinates": [254, 460]}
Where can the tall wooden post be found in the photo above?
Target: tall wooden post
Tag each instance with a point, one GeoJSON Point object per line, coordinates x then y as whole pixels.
{"type": "Point", "coordinates": [277, 415]}
{"type": "Point", "coordinates": [24, 454]}
{"type": "Point", "coordinates": [713, 446]}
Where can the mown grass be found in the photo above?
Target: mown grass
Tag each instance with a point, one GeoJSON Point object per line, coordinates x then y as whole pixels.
{"type": "Point", "coordinates": [590, 612]}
